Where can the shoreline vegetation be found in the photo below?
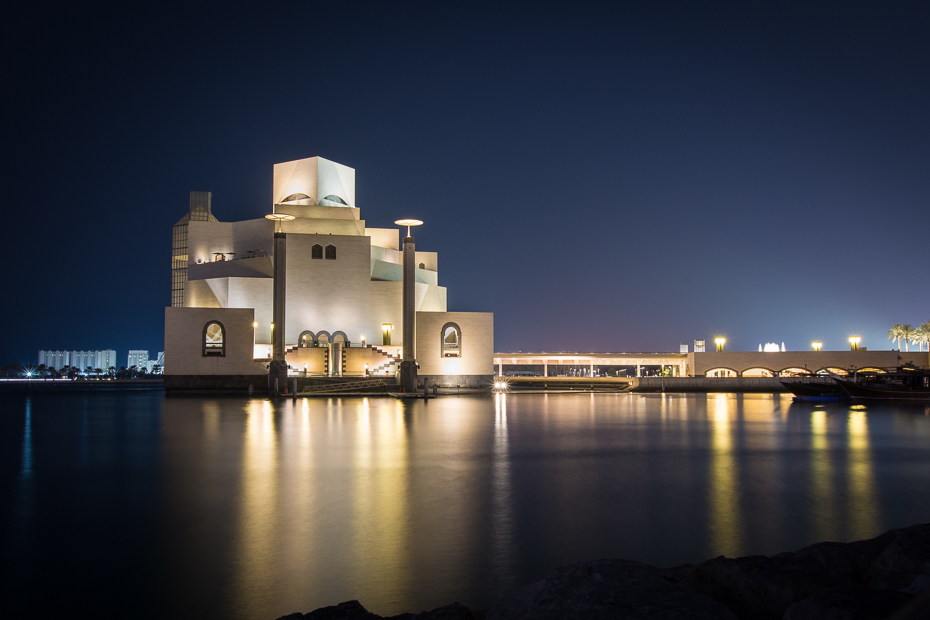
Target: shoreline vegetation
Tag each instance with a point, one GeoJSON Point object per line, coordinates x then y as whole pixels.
{"type": "Point", "coordinates": [884, 577]}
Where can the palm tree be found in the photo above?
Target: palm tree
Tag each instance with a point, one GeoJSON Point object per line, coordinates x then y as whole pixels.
{"type": "Point", "coordinates": [895, 334]}
{"type": "Point", "coordinates": [907, 334]}
{"type": "Point", "coordinates": [922, 335]}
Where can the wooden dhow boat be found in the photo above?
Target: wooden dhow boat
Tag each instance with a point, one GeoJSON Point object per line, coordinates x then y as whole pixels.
{"type": "Point", "coordinates": [904, 383]}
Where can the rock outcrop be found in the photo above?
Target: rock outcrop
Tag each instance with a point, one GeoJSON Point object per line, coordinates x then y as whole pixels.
{"type": "Point", "coordinates": [862, 580]}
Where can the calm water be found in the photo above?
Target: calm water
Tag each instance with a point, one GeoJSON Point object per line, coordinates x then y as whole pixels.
{"type": "Point", "coordinates": [236, 508]}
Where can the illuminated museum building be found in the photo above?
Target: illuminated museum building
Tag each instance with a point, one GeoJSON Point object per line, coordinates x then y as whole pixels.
{"type": "Point", "coordinates": [341, 299]}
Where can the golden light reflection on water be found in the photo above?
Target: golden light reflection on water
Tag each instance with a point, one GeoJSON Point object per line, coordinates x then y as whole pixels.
{"type": "Point", "coordinates": [823, 500]}
{"type": "Point", "coordinates": [211, 420]}
{"type": "Point", "coordinates": [380, 520]}
{"type": "Point", "coordinates": [864, 510]}
{"type": "Point", "coordinates": [256, 532]}
{"type": "Point", "coordinates": [725, 519]}
{"type": "Point", "coordinates": [502, 517]}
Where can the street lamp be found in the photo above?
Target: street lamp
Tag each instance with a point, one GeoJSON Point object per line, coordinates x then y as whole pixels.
{"type": "Point", "coordinates": [279, 218]}
{"type": "Point", "coordinates": [386, 333]}
{"type": "Point", "coordinates": [854, 343]}
{"type": "Point", "coordinates": [817, 345]}
{"type": "Point", "coordinates": [720, 342]}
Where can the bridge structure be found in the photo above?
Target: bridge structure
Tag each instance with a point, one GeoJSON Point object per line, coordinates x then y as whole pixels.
{"type": "Point", "coordinates": [575, 365]}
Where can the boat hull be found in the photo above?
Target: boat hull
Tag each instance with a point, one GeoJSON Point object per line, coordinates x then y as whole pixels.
{"type": "Point", "coordinates": [815, 391]}
{"type": "Point", "coordinates": [882, 391]}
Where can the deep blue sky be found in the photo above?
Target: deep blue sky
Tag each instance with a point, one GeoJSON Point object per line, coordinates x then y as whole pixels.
{"type": "Point", "coordinates": [619, 179]}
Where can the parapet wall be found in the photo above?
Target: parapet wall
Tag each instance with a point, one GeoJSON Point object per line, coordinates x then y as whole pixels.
{"type": "Point", "coordinates": [708, 384]}
{"type": "Point", "coordinates": [740, 361]}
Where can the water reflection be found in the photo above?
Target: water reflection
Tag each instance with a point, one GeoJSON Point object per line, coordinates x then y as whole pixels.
{"type": "Point", "coordinates": [380, 503]}
{"type": "Point", "coordinates": [285, 506]}
{"type": "Point", "coordinates": [823, 500]}
{"type": "Point", "coordinates": [502, 516]}
{"type": "Point", "coordinates": [256, 555]}
{"type": "Point", "coordinates": [25, 470]}
{"type": "Point", "coordinates": [863, 511]}
{"type": "Point", "coordinates": [725, 518]}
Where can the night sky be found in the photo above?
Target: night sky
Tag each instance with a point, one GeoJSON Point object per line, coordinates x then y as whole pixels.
{"type": "Point", "coordinates": [601, 178]}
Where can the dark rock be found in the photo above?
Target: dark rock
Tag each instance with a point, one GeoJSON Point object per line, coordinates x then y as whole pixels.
{"type": "Point", "coordinates": [904, 565]}
{"type": "Point", "coordinates": [607, 589]}
{"type": "Point", "coordinates": [863, 579]}
{"type": "Point", "coordinates": [848, 603]}
{"type": "Point", "coordinates": [455, 611]}
{"type": "Point", "coordinates": [765, 587]}
{"type": "Point", "coordinates": [846, 563]}
{"type": "Point", "coordinates": [353, 610]}
{"type": "Point", "coordinates": [756, 586]}
{"type": "Point", "coordinates": [349, 610]}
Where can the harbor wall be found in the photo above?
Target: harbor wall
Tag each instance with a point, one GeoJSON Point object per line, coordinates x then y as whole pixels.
{"type": "Point", "coordinates": [708, 384]}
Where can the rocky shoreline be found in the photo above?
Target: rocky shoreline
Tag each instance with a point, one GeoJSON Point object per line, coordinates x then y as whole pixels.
{"type": "Point", "coordinates": [884, 577]}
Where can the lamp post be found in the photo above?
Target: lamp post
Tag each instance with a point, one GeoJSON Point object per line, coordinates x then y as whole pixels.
{"type": "Point", "coordinates": [408, 367]}
{"type": "Point", "coordinates": [720, 342]}
{"type": "Point", "coordinates": [277, 370]}
{"type": "Point", "coordinates": [854, 343]}
{"type": "Point", "coordinates": [817, 345]}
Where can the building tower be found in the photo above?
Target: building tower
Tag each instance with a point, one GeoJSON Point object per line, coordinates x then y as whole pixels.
{"type": "Point", "coordinates": [199, 212]}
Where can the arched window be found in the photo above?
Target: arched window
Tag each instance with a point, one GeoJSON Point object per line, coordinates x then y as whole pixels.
{"type": "Point", "coordinates": [296, 197]}
{"type": "Point", "coordinates": [330, 252]}
{"type": "Point", "coordinates": [316, 251]}
{"type": "Point", "coordinates": [451, 336]}
{"type": "Point", "coordinates": [214, 339]}
{"type": "Point", "coordinates": [323, 337]}
{"type": "Point", "coordinates": [306, 339]}
{"type": "Point", "coordinates": [340, 337]}
{"type": "Point", "coordinates": [336, 199]}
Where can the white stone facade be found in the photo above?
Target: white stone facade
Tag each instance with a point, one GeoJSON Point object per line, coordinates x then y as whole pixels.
{"type": "Point", "coordinates": [341, 276]}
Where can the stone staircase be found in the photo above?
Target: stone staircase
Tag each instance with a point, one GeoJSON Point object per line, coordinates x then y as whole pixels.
{"type": "Point", "coordinates": [388, 367]}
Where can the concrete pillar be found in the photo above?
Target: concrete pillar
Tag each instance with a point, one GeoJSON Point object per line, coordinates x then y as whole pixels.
{"type": "Point", "coordinates": [545, 369]}
{"type": "Point", "coordinates": [278, 367]}
{"type": "Point", "coordinates": [335, 359]}
{"type": "Point", "coordinates": [500, 368]}
{"type": "Point", "coordinates": [639, 370]}
{"type": "Point", "coordinates": [408, 367]}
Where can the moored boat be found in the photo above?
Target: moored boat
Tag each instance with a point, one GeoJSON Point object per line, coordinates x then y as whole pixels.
{"type": "Point", "coordinates": [818, 389]}
{"type": "Point", "coordinates": [900, 384]}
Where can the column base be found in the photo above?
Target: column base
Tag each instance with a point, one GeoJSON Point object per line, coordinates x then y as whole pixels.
{"type": "Point", "coordinates": [408, 375]}
{"type": "Point", "coordinates": [277, 374]}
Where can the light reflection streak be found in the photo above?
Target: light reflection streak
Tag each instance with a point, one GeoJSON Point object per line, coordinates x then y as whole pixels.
{"type": "Point", "coordinates": [25, 471]}
{"type": "Point", "coordinates": [256, 552]}
{"type": "Point", "coordinates": [380, 495]}
{"type": "Point", "coordinates": [823, 500]}
{"type": "Point", "coordinates": [863, 513]}
{"type": "Point", "coordinates": [502, 517]}
{"type": "Point", "coordinates": [211, 420]}
{"type": "Point", "coordinates": [725, 518]}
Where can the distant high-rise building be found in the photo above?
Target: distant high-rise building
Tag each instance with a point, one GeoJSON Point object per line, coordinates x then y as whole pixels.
{"type": "Point", "coordinates": [55, 359]}
{"type": "Point", "coordinates": [138, 358]}
{"type": "Point", "coordinates": [199, 212]}
{"type": "Point", "coordinates": [103, 359]}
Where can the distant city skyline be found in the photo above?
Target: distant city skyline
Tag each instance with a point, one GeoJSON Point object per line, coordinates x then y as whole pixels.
{"type": "Point", "coordinates": [681, 172]}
